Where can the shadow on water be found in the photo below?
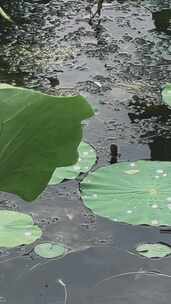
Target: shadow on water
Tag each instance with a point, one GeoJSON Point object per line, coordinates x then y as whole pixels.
{"type": "Point", "coordinates": [160, 139]}
{"type": "Point", "coordinates": [162, 21]}
{"type": "Point", "coordinates": [161, 149]}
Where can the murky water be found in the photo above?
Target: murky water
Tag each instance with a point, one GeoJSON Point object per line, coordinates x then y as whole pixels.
{"type": "Point", "coordinates": [120, 66]}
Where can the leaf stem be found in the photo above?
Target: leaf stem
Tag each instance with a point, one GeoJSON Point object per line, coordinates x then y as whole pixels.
{"type": "Point", "coordinates": [65, 290]}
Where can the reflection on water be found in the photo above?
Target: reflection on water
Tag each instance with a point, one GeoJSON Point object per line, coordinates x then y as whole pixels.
{"type": "Point", "coordinates": [162, 20]}
{"type": "Point", "coordinates": [160, 149]}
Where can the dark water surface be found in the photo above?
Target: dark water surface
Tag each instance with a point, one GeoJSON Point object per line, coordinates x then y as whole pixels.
{"type": "Point", "coordinates": [120, 66]}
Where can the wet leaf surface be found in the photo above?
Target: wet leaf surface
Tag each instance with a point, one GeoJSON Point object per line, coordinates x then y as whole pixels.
{"type": "Point", "coordinates": [135, 193]}
{"type": "Point", "coordinates": [153, 250]}
{"type": "Point", "coordinates": [49, 250]}
{"type": "Point", "coordinates": [17, 229]}
{"type": "Point", "coordinates": [87, 158]}
{"type": "Point", "coordinates": [166, 94]}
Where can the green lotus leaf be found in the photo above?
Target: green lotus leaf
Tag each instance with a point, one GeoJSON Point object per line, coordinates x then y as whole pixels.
{"type": "Point", "coordinates": [166, 94]}
{"type": "Point", "coordinates": [153, 250]}
{"type": "Point", "coordinates": [49, 250]}
{"type": "Point", "coordinates": [38, 133]}
{"type": "Point", "coordinates": [17, 229]}
{"type": "Point", "coordinates": [135, 193]}
{"type": "Point", "coordinates": [87, 158]}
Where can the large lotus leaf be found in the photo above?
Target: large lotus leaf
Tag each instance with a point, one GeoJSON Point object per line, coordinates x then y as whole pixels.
{"type": "Point", "coordinates": [153, 250]}
{"type": "Point", "coordinates": [166, 94]}
{"type": "Point", "coordinates": [135, 193]}
{"type": "Point", "coordinates": [49, 250]}
{"type": "Point", "coordinates": [16, 229]}
{"type": "Point", "coordinates": [87, 158]}
{"type": "Point", "coordinates": [38, 133]}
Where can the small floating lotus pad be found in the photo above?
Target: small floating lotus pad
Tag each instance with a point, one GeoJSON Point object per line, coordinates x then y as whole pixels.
{"type": "Point", "coordinates": [87, 158]}
{"type": "Point", "coordinates": [135, 193]}
{"type": "Point", "coordinates": [166, 94]}
{"type": "Point", "coordinates": [153, 250]}
{"type": "Point", "coordinates": [16, 229]}
{"type": "Point", "coordinates": [49, 250]}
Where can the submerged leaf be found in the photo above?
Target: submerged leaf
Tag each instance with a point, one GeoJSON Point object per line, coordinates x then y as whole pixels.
{"type": "Point", "coordinates": [166, 94]}
{"type": "Point", "coordinates": [38, 133]}
{"type": "Point", "coordinates": [4, 15]}
{"type": "Point", "coordinates": [135, 193]}
{"type": "Point", "coordinates": [17, 229]}
{"type": "Point", "coordinates": [49, 250]}
{"type": "Point", "coordinates": [153, 250]}
{"type": "Point", "coordinates": [87, 158]}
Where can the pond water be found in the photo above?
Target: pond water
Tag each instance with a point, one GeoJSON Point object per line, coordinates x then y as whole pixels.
{"type": "Point", "coordinates": [120, 65]}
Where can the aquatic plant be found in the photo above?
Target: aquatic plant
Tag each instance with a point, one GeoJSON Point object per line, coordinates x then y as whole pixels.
{"type": "Point", "coordinates": [87, 158]}
{"type": "Point", "coordinates": [135, 193]}
{"type": "Point", "coordinates": [4, 15]}
{"type": "Point", "coordinates": [97, 11]}
{"type": "Point", "coordinates": [157, 250]}
{"type": "Point", "coordinates": [39, 137]}
{"type": "Point", "coordinates": [166, 94]}
{"type": "Point", "coordinates": [17, 229]}
{"type": "Point", "coordinates": [49, 250]}
{"type": "Point", "coordinates": [38, 133]}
